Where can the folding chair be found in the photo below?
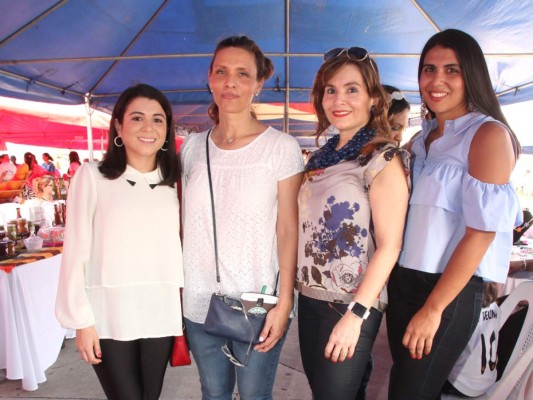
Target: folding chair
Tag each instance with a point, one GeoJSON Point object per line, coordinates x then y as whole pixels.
{"type": "Point", "coordinates": [517, 377]}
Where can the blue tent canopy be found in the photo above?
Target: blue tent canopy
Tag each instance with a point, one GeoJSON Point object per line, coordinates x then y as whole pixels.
{"type": "Point", "coordinates": [59, 50]}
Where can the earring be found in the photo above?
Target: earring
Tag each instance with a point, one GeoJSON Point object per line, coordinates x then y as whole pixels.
{"type": "Point", "coordinates": [163, 148]}
{"type": "Point", "coordinates": [423, 109]}
{"type": "Point", "coordinates": [472, 107]}
{"type": "Point", "coordinates": [118, 144]}
{"type": "Point", "coordinates": [257, 94]}
{"type": "Point", "coordinates": [372, 110]}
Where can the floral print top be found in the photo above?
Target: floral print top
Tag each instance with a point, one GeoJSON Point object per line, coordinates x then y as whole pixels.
{"type": "Point", "coordinates": [335, 235]}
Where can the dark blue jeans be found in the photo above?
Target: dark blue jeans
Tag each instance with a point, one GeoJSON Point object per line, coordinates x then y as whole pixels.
{"type": "Point", "coordinates": [329, 380]}
{"type": "Point", "coordinates": [408, 289]}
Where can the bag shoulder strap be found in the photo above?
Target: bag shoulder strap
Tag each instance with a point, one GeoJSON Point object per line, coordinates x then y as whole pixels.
{"type": "Point", "coordinates": [212, 203]}
{"type": "Point", "coordinates": [213, 214]}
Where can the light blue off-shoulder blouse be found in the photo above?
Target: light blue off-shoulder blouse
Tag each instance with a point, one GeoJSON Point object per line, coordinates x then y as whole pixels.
{"type": "Point", "coordinates": [446, 199]}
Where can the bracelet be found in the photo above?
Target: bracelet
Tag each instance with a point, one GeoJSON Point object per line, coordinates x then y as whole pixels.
{"type": "Point", "coordinates": [524, 265]}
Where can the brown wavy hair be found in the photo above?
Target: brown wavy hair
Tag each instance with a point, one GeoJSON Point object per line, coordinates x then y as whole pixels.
{"type": "Point", "coordinates": [369, 70]}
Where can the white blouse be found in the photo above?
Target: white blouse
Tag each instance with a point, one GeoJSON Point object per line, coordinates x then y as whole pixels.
{"type": "Point", "coordinates": [121, 269]}
{"type": "Point", "coordinates": [245, 186]}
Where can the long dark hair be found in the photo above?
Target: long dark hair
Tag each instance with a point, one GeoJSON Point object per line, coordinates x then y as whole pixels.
{"type": "Point", "coordinates": [369, 70]}
{"type": "Point", "coordinates": [29, 159]}
{"type": "Point", "coordinates": [73, 156]}
{"type": "Point", "coordinates": [478, 86]}
{"type": "Point", "coordinates": [114, 163]}
{"type": "Point", "coordinates": [264, 65]}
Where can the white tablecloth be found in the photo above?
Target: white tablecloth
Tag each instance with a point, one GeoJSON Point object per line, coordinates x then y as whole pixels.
{"type": "Point", "coordinates": [514, 280]}
{"type": "Point", "coordinates": [30, 336]}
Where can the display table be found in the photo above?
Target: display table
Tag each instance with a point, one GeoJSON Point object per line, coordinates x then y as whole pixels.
{"type": "Point", "coordinates": [522, 252]}
{"type": "Point", "coordinates": [30, 336]}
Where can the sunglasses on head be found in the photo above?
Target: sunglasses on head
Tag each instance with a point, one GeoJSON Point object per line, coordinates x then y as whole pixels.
{"type": "Point", "coordinates": [354, 53]}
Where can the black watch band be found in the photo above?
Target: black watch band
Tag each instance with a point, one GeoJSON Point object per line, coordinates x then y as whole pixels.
{"type": "Point", "coordinates": [359, 310]}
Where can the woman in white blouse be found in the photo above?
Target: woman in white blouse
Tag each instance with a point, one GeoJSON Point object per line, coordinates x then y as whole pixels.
{"type": "Point", "coordinates": [121, 270]}
{"type": "Point", "coordinates": [256, 173]}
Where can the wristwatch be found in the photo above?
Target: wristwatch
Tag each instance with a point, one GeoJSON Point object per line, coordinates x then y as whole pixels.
{"type": "Point", "coordinates": [359, 310]}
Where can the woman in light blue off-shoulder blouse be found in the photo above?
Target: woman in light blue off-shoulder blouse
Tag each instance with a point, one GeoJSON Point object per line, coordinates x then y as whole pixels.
{"type": "Point", "coordinates": [461, 214]}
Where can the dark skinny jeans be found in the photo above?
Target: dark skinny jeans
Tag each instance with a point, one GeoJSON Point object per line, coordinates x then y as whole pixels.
{"type": "Point", "coordinates": [339, 381]}
{"type": "Point", "coordinates": [408, 289]}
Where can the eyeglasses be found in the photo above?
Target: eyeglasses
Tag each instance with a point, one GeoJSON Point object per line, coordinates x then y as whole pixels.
{"type": "Point", "coordinates": [234, 360]}
{"type": "Point", "coordinates": [353, 53]}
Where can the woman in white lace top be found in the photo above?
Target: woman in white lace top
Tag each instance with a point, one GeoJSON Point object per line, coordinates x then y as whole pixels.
{"type": "Point", "coordinates": [256, 173]}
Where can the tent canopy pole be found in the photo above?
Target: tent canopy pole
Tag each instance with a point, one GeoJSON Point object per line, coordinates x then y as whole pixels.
{"type": "Point", "coordinates": [89, 126]}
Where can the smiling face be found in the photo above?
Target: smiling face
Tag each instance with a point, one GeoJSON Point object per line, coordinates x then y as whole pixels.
{"type": "Point", "coordinates": [143, 132]}
{"type": "Point", "coordinates": [442, 84]}
{"type": "Point", "coordinates": [346, 101]}
{"type": "Point", "coordinates": [233, 80]}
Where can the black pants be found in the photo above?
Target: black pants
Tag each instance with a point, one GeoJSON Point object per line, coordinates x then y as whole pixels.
{"type": "Point", "coordinates": [339, 381]}
{"type": "Point", "coordinates": [133, 370]}
{"type": "Point", "coordinates": [423, 379]}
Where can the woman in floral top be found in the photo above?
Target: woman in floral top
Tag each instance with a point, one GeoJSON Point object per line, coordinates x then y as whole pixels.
{"type": "Point", "coordinates": [352, 210]}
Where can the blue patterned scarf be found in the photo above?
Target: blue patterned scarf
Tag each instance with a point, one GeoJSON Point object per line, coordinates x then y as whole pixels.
{"type": "Point", "coordinates": [327, 156]}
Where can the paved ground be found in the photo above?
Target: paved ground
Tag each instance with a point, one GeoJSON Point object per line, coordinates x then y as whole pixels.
{"type": "Point", "coordinates": [69, 378]}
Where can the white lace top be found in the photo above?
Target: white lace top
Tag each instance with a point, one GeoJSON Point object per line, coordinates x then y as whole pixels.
{"type": "Point", "coordinates": [245, 193]}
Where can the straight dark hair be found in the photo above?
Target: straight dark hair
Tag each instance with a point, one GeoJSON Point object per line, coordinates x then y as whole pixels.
{"type": "Point", "coordinates": [115, 161]}
{"type": "Point", "coordinates": [264, 65]}
{"type": "Point", "coordinates": [478, 86]}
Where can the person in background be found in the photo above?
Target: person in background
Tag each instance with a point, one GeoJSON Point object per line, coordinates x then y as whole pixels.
{"type": "Point", "coordinates": [462, 211]}
{"type": "Point", "coordinates": [44, 188]}
{"type": "Point", "coordinates": [44, 199]}
{"type": "Point", "coordinates": [75, 163]}
{"type": "Point", "coordinates": [13, 160]}
{"type": "Point", "coordinates": [48, 163]}
{"type": "Point", "coordinates": [475, 370]}
{"type": "Point", "coordinates": [256, 172]}
{"type": "Point", "coordinates": [398, 112]}
{"type": "Point", "coordinates": [32, 170]}
{"type": "Point", "coordinates": [7, 169]}
{"type": "Point", "coordinates": [352, 208]}
{"type": "Point", "coordinates": [125, 304]}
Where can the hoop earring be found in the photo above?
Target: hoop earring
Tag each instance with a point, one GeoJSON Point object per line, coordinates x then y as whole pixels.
{"type": "Point", "coordinates": [162, 148]}
{"type": "Point", "coordinates": [121, 141]}
{"type": "Point", "coordinates": [423, 109]}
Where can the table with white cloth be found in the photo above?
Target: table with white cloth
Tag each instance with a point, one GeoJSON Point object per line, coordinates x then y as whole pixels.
{"type": "Point", "coordinates": [30, 335]}
{"type": "Point", "coordinates": [520, 252]}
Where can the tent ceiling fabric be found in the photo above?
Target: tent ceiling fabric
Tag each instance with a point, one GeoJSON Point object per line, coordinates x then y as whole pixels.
{"type": "Point", "coordinates": [59, 50]}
